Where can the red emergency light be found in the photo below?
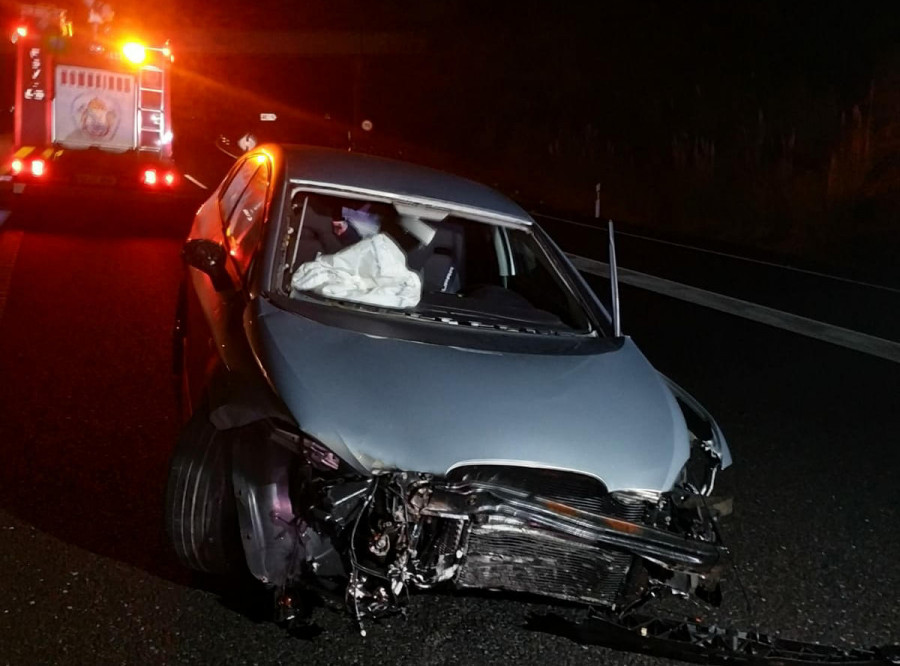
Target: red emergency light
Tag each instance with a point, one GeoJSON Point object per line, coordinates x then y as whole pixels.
{"type": "Point", "coordinates": [37, 167]}
{"type": "Point", "coordinates": [152, 178]}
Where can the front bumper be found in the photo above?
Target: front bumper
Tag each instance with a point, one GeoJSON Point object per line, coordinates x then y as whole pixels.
{"type": "Point", "coordinates": [490, 505]}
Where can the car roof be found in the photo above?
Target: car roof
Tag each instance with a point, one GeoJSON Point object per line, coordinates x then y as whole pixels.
{"type": "Point", "coordinates": [350, 171]}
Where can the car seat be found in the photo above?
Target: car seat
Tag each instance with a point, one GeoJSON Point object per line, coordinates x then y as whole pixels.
{"type": "Point", "coordinates": [443, 265]}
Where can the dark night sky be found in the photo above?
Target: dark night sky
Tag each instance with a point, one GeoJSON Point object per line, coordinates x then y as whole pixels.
{"type": "Point", "coordinates": [768, 123]}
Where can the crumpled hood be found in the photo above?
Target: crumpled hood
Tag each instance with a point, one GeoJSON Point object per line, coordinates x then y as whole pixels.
{"type": "Point", "coordinates": [394, 404]}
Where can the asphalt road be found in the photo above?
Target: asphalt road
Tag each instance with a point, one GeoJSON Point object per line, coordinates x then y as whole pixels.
{"type": "Point", "coordinates": [88, 418]}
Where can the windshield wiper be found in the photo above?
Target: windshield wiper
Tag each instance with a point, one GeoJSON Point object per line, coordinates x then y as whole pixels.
{"type": "Point", "coordinates": [475, 319]}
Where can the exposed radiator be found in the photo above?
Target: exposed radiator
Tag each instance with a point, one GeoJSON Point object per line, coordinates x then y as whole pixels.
{"type": "Point", "coordinates": [520, 559]}
{"type": "Point", "coordinates": [508, 555]}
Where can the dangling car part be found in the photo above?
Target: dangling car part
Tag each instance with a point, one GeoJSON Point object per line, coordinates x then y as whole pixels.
{"type": "Point", "coordinates": [397, 382]}
{"type": "Point", "coordinates": [702, 644]}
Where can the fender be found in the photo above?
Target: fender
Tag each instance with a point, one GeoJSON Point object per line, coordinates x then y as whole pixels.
{"type": "Point", "coordinates": [269, 532]}
{"type": "Point", "coordinates": [716, 438]}
{"type": "Point", "coordinates": [238, 399]}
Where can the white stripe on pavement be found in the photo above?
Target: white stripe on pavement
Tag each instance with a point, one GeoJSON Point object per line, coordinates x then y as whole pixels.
{"type": "Point", "coordinates": [9, 250]}
{"type": "Point", "coordinates": [195, 181]}
{"type": "Point", "coordinates": [868, 344]}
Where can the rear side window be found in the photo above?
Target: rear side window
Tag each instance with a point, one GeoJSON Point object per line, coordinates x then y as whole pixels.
{"type": "Point", "coordinates": [235, 188]}
{"type": "Point", "coordinates": [247, 207]}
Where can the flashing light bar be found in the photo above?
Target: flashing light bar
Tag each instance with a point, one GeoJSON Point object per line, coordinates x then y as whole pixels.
{"type": "Point", "coordinates": [134, 52]}
{"type": "Point", "coordinates": [20, 32]}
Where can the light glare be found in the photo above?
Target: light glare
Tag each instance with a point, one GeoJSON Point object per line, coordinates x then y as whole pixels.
{"type": "Point", "coordinates": [135, 52]}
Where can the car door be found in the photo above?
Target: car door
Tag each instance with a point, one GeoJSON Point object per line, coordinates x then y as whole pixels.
{"type": "Point", "coordinates": [245, 214]}
{"type": "Point", "coordinates": [234, 219]}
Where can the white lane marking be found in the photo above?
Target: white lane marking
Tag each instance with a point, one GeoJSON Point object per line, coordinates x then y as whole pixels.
{"type": "Point", "coordinates": [9, 250]}
{"type": "Point", "coordinates": [868, 344]}
{"type": "Point", "coordinates": [771, 264]}
{"type": "Point", "coordinates": [195, 181]}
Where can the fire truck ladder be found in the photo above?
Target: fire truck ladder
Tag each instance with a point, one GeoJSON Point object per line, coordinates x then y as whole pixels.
{"type": "Point", "coordinates": [151, 109]}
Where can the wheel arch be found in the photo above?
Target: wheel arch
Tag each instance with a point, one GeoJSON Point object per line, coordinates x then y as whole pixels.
{"type": "Point", "coordinates": [261, 469]}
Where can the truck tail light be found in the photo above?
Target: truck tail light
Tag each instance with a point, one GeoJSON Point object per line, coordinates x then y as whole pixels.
{"type": "Point", "coordinates": [37, 167]}
{"type": "Point", "coordinates": [152, 177]}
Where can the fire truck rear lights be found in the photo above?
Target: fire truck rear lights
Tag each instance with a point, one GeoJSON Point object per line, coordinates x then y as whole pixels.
{"type": "Point", "coordinates": [16, 167]}
{"type": "Point", "coordinates": [22, 31]}
{"type": "Point", "coordinates": [38, 168]}
{"type": "Point", "coordinates": [135, 52]}
{"type": "Point", "coordinates": [151, 177]}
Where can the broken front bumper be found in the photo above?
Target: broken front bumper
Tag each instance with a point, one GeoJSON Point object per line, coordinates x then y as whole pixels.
{"type": "Point", "coordinates": [509, 539]}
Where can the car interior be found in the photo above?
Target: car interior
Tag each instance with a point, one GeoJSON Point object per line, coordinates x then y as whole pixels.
{"type": "Point", "coordinates": [476, 270]}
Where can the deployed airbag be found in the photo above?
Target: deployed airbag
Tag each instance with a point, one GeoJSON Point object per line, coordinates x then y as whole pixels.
{"type": "Point", "coordinates": [372, 271]}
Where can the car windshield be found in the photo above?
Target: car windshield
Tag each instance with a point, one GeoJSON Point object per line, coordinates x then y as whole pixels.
{"type": "Point", "coordinates": [425, 263]}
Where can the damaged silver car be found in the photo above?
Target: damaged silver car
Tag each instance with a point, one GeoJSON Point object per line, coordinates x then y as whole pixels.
{"type": "Point", "coordinates": [395, 381]}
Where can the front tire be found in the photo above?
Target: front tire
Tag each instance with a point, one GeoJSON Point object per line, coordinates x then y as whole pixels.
{"type": "Point", "coordinates": [201, 513]}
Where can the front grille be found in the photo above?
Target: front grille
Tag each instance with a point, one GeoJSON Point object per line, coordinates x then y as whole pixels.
{"type": "Point", "coordinates": [519, 559]}
{"type": "Point", "coordinates": [576, 490]}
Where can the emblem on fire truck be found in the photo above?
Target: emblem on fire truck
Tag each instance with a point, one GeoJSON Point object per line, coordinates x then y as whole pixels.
{"type": "Point", "coordinates": [97, 117]}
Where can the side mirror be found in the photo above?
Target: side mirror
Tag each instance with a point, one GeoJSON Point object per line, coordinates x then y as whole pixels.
{"type": "Point", "coordinates": [247, 142]}
{"type": "Point", "coordinates": [209, 257]}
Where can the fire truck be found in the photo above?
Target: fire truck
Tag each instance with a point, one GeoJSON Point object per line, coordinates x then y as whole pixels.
{"type": "Point", "coordinates": [92, 106]}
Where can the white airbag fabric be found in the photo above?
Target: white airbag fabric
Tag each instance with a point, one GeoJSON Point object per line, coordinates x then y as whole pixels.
{"type": "Point", "coordinates": [371, 271]}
